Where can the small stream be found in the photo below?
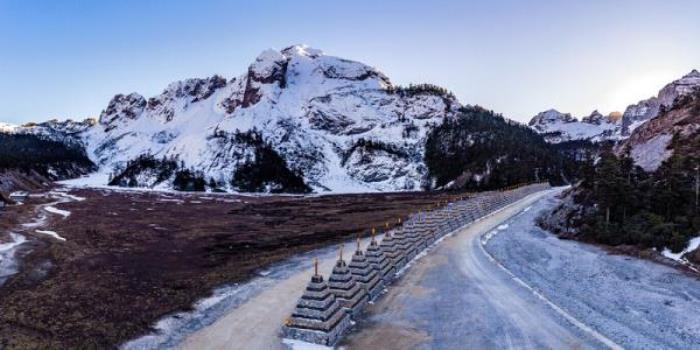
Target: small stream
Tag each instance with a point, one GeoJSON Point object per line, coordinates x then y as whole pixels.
{"type": "Point", "coordinates": [8, 251]}
{"type": "Point", "coordinates": [8, 263]}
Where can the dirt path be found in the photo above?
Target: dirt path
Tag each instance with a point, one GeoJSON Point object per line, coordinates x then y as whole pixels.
{"type": "Point", "coordinates": [256, 323]}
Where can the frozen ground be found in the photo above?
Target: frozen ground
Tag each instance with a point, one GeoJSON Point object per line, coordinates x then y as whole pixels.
{"type": "Point", "coordinates": [8, 265]}
{"type": "Point", "coordinates": [8, 251]}
{"type": "Point", "coordinates": [635, 303]}
{"type": "Point", "coordinates": [503, 283]}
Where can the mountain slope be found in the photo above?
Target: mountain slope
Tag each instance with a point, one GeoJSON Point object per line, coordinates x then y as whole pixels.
{"type": "Point", "coordinates": [479, 149]}
{"type": "Point", "coordinates": [316, 111]}
{"type": "Point", "coordinates": [675, 130]}
{"type": "Point", "coordinates": [559, 127]}
{"type": "Point", "coordinates": [636, 114]}
{"type": "Point", "coordinates": [643, 193]}
{"type": "Point", "coordinates": [28, 161]}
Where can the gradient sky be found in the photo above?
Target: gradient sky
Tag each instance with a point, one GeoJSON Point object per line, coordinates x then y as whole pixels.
{"type": "Point", "coordinates": [66, 59]}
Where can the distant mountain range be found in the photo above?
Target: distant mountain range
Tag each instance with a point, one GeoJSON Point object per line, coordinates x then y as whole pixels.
{"type": "Point", "coordinates": [559, 127]}
{"type": "Point", "coordinates": [300, 120]}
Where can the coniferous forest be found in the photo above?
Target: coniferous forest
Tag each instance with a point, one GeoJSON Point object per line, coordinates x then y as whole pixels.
{"type": "Point", "coordinates": [480, 149]}
{"type": "Point", "coordinates": [630, 206]}
{"type": "Point", "coordinates": [52, 159]}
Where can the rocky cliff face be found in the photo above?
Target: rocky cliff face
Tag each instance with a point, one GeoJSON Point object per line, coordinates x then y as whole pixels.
{"type": "Point", "coordinates": [559, 127]}
{"type": "Point", "coordinates": [637, 114]}
{"type": "Point", "coordinates": [675, 129]}
{"type": "Point", "coordinates": [318, 112]}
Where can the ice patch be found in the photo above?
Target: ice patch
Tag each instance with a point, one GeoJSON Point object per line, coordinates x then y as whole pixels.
{"type": "Point", "coordinates": [502, 227]}
{"type": "Point", "coordinates": [8, 265]}
{"type": "Point", "coordinates": [50, 233]}
{"type": "Point", "coordinates": [54, 210]}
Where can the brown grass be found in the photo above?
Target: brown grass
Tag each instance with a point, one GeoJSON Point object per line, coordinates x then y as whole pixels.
{"type": "Point", "coordinates": [131, 258]}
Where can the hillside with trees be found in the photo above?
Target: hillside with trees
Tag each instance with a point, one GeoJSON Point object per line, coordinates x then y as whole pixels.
{"type": "Point", "coordinates": [619, 203]}
{"type": "Point", "coordinates": [35, 156]}
{"type": "Point", "coordinates": [629, 206]}
{"type": "Point", "coordinates": [479, 149]}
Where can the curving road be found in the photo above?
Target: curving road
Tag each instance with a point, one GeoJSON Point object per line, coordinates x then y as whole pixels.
{"type": "Point", "coordinates": [459, 297]}
{"type": "Point", "coordinates": [503, 283]}
{"type": "Point", "coordinates": [500, 283]}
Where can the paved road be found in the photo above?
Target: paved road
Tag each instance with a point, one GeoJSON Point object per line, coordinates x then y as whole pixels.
{"type": "Point", "coordinates": [458, 297]}
{"type": "Point", "coordinates": [255, 323]}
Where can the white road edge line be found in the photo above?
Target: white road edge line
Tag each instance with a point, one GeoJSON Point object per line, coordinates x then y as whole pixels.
{"type": "Point", "coordinates": [582, 326]}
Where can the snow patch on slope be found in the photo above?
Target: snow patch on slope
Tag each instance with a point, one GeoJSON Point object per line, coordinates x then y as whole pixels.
{"type": "Point", "coordinates": [651, 154]}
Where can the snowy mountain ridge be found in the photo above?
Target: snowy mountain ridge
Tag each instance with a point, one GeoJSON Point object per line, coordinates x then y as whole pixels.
{"type": "Point", "coordinates": [317, 111]}
{"type": "Point", "coordinates": [559, 127]}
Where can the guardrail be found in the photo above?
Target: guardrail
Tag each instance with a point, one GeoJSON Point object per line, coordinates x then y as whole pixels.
{"type": "Point", "coordinates": [326, 309]}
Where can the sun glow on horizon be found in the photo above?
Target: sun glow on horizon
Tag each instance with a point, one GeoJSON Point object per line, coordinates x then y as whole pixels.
{"type": "Point", "coordinates": [638, 87]}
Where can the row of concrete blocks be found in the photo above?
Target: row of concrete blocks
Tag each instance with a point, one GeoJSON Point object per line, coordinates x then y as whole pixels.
{"type": "Point", "coordinates": [324, 311]}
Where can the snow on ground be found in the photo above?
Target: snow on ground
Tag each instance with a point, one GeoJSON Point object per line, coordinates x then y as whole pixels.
{"type": "Point", "coordinates": [8, 265]}
{"type": "Point", "coordinates": [50, 233]}
{"type": "Point", "coordinates": [692, 245]}
{"type": "Point", "coordinates": [636, 303]}
{"type": "Point", "coordinates": [54, 210]}
{"type": "Point", "coordinates": [62, 193]}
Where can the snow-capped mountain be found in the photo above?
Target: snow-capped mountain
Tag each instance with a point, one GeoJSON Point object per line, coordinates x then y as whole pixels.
{"type": "Point", "coordinates": [676, 129]}
{"type": "Point", "coordinates": [557, 127]}
{"type": "Point", "coordinates": [316, 111]}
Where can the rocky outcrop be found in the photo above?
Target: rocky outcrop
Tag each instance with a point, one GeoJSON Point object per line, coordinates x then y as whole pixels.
{"type": "Point", "coordinates": [675, 129]}
{"type": "Point", "coordinates": [123, 107]}
{"type": "Point", "coordinates": [637, 114]}
{"type": "Point", "coordinates": [559, 127]}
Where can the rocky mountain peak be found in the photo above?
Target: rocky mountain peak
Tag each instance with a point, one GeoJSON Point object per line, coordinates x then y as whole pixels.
{"type": "Point", "coordinates": [550, 116]}
{"type": "Point", "coordinates": [594, 118]}
{"type": "Point", "coordinates": [123, 107]}
{"type": "Point", "coordinates": [559, 127]}
{"type": "Point", "coordinates": [302, 50]}
{"type": "Point", "coordinates": [337, 122]}
{"type": "Point", "coordinates": [637, 114]}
